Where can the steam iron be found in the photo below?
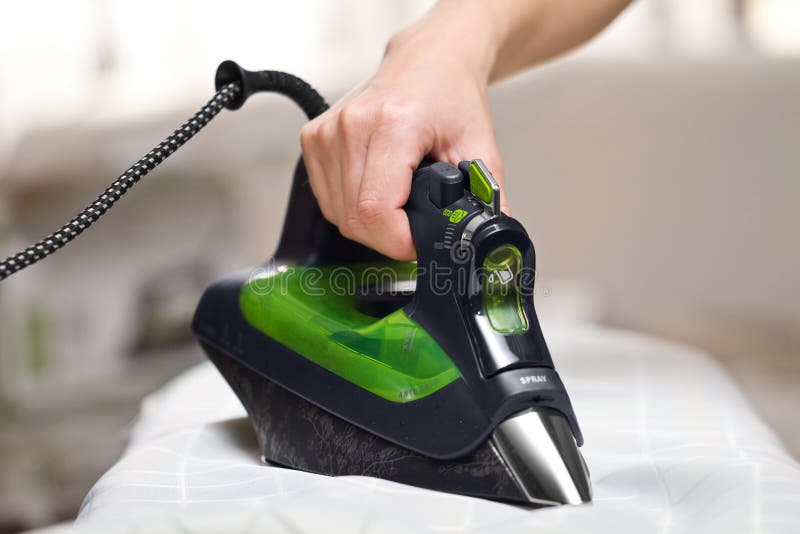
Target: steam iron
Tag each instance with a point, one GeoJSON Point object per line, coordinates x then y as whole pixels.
{"type": "Point", "coordinates": [434, 374]}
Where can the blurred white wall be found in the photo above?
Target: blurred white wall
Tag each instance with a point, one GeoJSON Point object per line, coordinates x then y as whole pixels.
{"type": "Point", "coordinates": [119, 60]}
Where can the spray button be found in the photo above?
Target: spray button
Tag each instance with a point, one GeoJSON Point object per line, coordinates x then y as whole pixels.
{"type": "Point", "coordinates": [482, 184]}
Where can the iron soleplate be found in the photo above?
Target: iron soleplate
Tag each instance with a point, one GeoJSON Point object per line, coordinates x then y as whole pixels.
{"type": "Point", "coordinates": [295, 433]}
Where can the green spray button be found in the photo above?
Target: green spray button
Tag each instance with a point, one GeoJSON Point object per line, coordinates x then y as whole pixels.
{"type": "Point", "coordinates": [479, 184]}
{"type": "Point", "coordinates": [483, 185]}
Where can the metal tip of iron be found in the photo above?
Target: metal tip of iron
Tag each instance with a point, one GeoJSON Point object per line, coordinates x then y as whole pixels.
{"type": "Point", "coordinates": [542, 456]}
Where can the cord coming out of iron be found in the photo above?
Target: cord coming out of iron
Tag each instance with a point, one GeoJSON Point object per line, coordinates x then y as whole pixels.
{"type": "Point", "coordinates": [234, 85]}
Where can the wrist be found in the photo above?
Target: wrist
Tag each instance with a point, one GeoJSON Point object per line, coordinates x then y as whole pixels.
{"type": "Point", "coordinates": [462, 34]}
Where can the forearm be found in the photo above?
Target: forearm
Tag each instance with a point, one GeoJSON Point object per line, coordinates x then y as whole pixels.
{"type": "Point", "coordinates": [496, 38]}
{"type": "Point", "coordinates": [535, 31]}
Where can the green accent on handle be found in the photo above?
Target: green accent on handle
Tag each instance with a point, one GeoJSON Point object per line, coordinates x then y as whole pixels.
{"type": "Point", "coordinates": [454, 216]}
{"type": "Point", "coordinates": [502, 302]}
{"type": "Point", "coordinates": [479, 184]}
{"type": "Point", "coordinates": [311, 310]}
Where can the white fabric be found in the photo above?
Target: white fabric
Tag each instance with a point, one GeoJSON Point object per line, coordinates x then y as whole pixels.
{"type": "Point", "coordinates": [671, 444]}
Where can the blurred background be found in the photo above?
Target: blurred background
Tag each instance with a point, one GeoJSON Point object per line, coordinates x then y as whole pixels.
{"type": "Point", "coordinates": [657, 169]}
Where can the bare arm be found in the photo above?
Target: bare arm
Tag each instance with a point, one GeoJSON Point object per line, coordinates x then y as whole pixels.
{"type": "Point", "coordinates": [538, 31]}
{"type": "Point", "coordinates": [429, 97]}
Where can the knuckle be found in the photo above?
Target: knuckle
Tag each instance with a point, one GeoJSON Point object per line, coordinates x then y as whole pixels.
{"type": "Point", "coordinates": [309, 133]}
{"type": "Point", "coordinates": [395, 113]}
{"type": "Point", "coordinates": [327, 135]}
{"type": "Point", "coordinates": [352, 117]}
{"type": "Point", "coordinates": [350, 228]}
{"type": "Point", "coordinates": [368, 207]}
{"type": "Point", "coordinates": [306, 133]}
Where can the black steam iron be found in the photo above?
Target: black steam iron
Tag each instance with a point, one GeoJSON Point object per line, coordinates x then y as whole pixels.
{"type": "Point", "coordinates": [434, 373]}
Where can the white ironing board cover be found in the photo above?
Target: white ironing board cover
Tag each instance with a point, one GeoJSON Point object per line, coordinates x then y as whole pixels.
{"type": "Point", "coordinates": [671, 443]}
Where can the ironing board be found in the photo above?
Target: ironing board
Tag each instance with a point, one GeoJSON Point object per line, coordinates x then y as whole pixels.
{"type": "Point", "coordinates": [671, 443]}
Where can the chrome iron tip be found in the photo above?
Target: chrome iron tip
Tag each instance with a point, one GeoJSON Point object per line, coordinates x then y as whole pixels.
{"type": "Point", "coordinates": [543, 458]}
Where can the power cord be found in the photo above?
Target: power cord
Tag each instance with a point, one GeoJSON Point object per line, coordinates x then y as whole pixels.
{"type": "Point", "coordinates": [234, 85]}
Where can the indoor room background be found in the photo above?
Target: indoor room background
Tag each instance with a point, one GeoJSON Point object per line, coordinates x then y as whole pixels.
{"type": "Point", "coordinates": [657, 170]}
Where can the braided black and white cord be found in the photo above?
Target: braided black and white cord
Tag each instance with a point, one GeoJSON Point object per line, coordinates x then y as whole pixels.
{"type": "Point", "coordinates": [120, 186]}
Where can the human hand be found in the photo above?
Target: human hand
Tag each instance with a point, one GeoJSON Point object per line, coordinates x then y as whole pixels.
{"type": "Point", "coordinates": [427, 98]}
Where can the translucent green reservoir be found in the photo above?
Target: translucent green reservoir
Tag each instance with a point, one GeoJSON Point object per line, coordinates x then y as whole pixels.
{"type": "Point", "coordinates": [502, 302]}
{"type": "Point", "coordinates": [311, 310]}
